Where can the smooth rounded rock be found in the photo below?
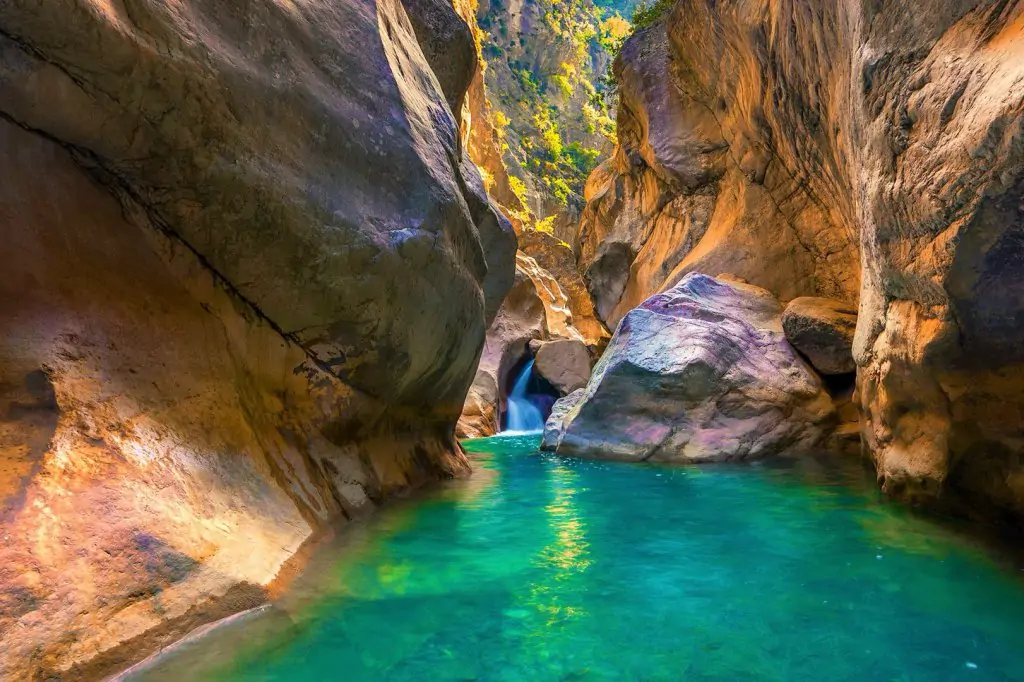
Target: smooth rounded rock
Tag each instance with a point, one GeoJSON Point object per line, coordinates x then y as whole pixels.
{"type": "Point", "coordinates": [564, 363]}
{"type": "Point", "coordinates": [699, 373]}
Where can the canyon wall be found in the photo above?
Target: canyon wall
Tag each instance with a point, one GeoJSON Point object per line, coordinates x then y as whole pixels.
{"type": "Point", "coordinates": [247, 274]}
{"type": "Point", "coordinates": [871, 153]}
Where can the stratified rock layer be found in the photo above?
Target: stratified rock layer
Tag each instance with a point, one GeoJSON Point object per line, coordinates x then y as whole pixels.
{"type": "Point", "coordinates": [558, 259]}
{"type": "Point", "coordinates": [699, 373]}
{"type": "Point", "coordinates": [247, 274]}
{"type": "Point", "coordinates": [775, 139]}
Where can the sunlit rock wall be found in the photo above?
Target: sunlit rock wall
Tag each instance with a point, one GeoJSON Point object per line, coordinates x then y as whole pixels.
{"type": "Point", "coordinates": [247, 273]}
{"type": "Point", "coordinates": [866, 152]}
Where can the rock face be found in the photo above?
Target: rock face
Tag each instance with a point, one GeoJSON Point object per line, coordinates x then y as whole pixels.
{"type": "Point", "coordinates": [822, 330]}
{"type": "Point", "coordinates": [558, 259]}
{"type": "Point", "coordinates": [227, 318]}
{"type": "Point", "coordinates": [776, 140]}
{"type": "Point", "coordinates": [702, 182]}
{"type": "Point", "coordinates": [564, 363]}
{"type": "Point", "coordinates": [699, 373]}
{"type": "Point", "coordinates": [545, 65]}
{"type": "Point", "coordinates": [554, 427]}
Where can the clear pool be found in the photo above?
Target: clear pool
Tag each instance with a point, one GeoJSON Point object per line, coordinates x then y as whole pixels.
{"type": "Point", "coordinates": [543, 569]}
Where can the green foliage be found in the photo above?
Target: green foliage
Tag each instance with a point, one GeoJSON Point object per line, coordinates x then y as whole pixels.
{"type": "Point", "coordinates": [563, 85]}
{"type": "Point", "coordinates": [551, 116]}
{"type": "Point", "coordinates": [614, 31]}
{"type": "Point", "coordinates": [547, 225]}
{"type": "Point", "coordinates": [647, 14]}
{"type": "Point", "coordinates": [549, 134]}
{"type": "Point", "coordinates": [501, 121]}
{"type": "Point", "coordinates": [583, 159]}
{"type": "Point", "coordinates": [559, 189]}
{"type": "Point", "coordinates": [518, 188]}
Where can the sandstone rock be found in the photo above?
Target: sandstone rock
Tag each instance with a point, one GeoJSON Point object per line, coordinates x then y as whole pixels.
{"type": "Point", "coordinates": [558, 319]}
{"type": "Point", "coordinates": [554, 427]}
{"type": "Point", "coordinates": [822, 330]}
{"type": "Point", "coordinates": [247, 275]}
{"type": "Point", "coordinates": [481, 138]}
{"type": "Point", "coordinates": [775, 139]}
{"type": "Point", "coordinates": [693, 188]}
{"type": "Point", "coordinates": [699, 373]}
{"type": "Point", "coordinates": [558, 259]}
{"type": "Point", "coordinates": [564, 363]}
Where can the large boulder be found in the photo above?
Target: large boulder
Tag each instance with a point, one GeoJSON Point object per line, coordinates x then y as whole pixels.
{"type": "Point", "coordinates": [822, 330]}
{"type": "Point", "coordinates": [247, 271]}
{"type": "Point", "coordinates": [563, 363]}
{"type": "Point", "coordinates": [699, 373]}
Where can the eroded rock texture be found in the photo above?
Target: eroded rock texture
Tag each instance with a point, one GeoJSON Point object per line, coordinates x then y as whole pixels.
{"type": "Point", "coordinates": [247, 274]}
{"type": "Point", "coordinates": [563, 363]}
{"type": "Point", "coordinates": [699, 373]}
{"type": "Point", "coordinates": [558, 259]}
{"type": "Point", "coordinates": [775, 139]}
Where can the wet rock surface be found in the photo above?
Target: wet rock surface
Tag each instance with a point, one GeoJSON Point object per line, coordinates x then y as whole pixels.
{"type": "Point", "coordinates": [554, 427]}
{"type": "Point", "coordinates": [699, 373]}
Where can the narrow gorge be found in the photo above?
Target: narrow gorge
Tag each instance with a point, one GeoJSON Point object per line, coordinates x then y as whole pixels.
{"type": "Point", "coordinates": [435, 339]}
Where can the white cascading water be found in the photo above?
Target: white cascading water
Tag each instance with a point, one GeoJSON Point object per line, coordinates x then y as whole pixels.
{"type": "Point", "coordinates": [523, 416]}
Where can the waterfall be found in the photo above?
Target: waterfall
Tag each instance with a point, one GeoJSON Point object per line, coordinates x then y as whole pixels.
{"type": "Point", "coordinates": [523, 415]}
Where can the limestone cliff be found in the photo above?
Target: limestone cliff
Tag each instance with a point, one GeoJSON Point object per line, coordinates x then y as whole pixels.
{"type": "Point", "coordinates": [247, 274]}
{"type": "Point", "coordinates": [867, 152]}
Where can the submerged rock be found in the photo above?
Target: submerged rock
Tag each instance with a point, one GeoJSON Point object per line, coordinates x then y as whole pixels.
{"type": "Point", "coordinates": [822, 329]}
{"type": "Point", "coordinates": [699, 373]}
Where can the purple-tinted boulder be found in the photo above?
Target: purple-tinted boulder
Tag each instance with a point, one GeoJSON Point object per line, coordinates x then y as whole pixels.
{"type": "Point", "coordinates": [699, 373]}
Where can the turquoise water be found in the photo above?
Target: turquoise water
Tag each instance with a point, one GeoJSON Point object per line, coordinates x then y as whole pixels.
{"type": "Point", "coordinates": [540, 569]}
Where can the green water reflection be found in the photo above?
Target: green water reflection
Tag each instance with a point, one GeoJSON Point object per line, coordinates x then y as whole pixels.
{"type": "Point", "coordinates": [542, 569]}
